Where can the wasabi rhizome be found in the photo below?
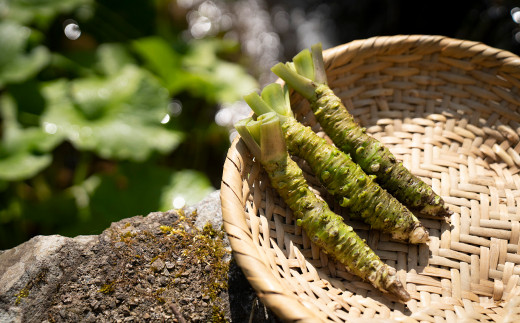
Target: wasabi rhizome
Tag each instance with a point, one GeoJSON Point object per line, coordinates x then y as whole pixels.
{"type": "Point", "coordinates": [306, 75]}
{"type": "Point", "coordinates": [265, 140]}
{"type": "Point", "coordinates": [343, 179]}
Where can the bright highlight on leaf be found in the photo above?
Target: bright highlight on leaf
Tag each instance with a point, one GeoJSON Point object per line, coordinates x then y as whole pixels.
{"type": "Point", "coordinates": [16, 64]}
{"type": "Point", "coordinates": [201, 72]}
{"type": "Point", "coordinates": [118, 117]}
{"type": "Point", "coordinates": [24, 152]}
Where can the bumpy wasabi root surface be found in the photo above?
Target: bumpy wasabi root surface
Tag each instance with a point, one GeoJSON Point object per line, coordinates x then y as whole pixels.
{"type": "Point", "coordinates": [342, 178]}
{"type": "Point", "coordinates": [325, 228]}
{"type": "Point", "coordinates": [347, 135]}
{"type": "Point", "coordinates": [354, 190]}
{"type": "Point", "coordinates": [373, 157]}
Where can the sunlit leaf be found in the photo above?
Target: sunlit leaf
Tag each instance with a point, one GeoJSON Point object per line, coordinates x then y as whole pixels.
{"type": "Point", "coordinates": [232, 82]}
{"type": "Point", "coordinates": [117, 117]}
{"type": "Point", "coordinates": [22, 165]}
{"type": "Point", "coordinates": [200, 72]}
{"type": "Point", "coordinates": [113, 58]}
{"type": "Point", "coordinates": [222, 80]}
{"type": "Point", "coordinates": [13, 39]}
{"type": "Point", "coordinates": [136, 189]}
{"type": "Point", "coordinates": [41, 11]}
{"type": "Point", "coordinates": [185, 187]}
{"type": "Point", "coordinates": [24, 152]}
{"type": "Point", "coordinates": [32, 139]}
{"type": "Point", "coordinates": [163, 60]}
{"type": "Point", "coordinates": [15, 64]}
{"type": "Point", "coordinates": [25, 66]}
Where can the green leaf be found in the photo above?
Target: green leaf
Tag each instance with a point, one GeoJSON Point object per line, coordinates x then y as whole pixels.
{"type": "Point", "coordinates": [25, 66]}
{"type": "Point", "coordinates": [32, 139]}
{"type": "Point", "coordinates": [160, 57]}
{"type": "Point", "coordinates": [13, 39]}
{"type": "Point", "coordinates": [186, 186]}
{"type": "Point", "coordinates": [40, 11]}
{"type": "Point", "coordinates": [232, 82]}
{"type": "Point", "coordinates": [213, 77]}
{"type": "Point", "coordinates": [135, 189]}
{"type": "Point", "coordinates": [22, 165]}
{"type": "Point", "coordinates": [199, 71]}
{"type": "Point", "coordinates": [15, 64]}
{"type": "Point", "coordinates": [118, 117]}
{"type": "Point", "coordinates": [113, 58]}
{"type": "Point", "coordinates": [24, 151]}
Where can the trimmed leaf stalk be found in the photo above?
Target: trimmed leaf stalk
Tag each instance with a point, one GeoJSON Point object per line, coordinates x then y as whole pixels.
{"type": "Point", "coordinates": [342, 178]}
{"type": "Point", "coordinates": [373, 157]}
{"type": "Point", "coordinates": [325, 228]}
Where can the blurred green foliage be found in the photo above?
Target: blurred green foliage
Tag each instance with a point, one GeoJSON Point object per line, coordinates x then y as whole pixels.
{"type": "Point", "coordinates": [117, 123]}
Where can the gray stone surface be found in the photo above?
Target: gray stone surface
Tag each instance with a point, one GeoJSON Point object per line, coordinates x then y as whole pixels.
{"type": "Point", "coordinates": [208, 211]}
{"type": "Point", "coordinates": [114, 276]}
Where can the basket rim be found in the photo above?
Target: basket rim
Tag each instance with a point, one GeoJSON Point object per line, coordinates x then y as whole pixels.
{"type": "Point", "coordinates": [287, 305]}
{"type": "Point", "coordinates": [507, 61]}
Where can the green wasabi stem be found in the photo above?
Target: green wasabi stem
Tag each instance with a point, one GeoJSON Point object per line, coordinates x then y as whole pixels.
{"type": "Point", "coordinates": [253, 126]}
{"type": "Point", "coordinates": [272, 146]}
{"type": "Point", "coordinates": [325, 228]}
{"type": "Point", "coordinates": [248, 138]}
{"type": "Point", "coordinates": [277, 99]}
{"type": "Point", "coordinates": [296, 81]}
{"type": "Point", "coordinates": [303, 64]}
{"type": "Point", "coordinates": [320, 76]}
{"type": "Point", "coordinates": [373, 157]}
{"type": "Point", "coordinates": [345, 180]}
{"type": "Point", "coordinates": [254, 98]}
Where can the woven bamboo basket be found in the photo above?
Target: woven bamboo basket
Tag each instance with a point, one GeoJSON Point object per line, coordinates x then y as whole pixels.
{"type": "Point", "coordinates": [450, 111]}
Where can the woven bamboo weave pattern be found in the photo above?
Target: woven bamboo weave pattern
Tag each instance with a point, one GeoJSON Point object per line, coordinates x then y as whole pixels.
{"type": "Point", "coordinates": [450, 111]}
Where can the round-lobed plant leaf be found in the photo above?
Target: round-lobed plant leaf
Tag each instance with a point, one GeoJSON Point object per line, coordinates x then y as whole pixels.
{"type": "Point", "coordinates": [15, 64]}
{"type": "Point", "coordinates": [22, 165]}
{"type": "Point", "coordinates": [13, 39]}
{"type": "Point", "coordinates": [113, 57]}
{"type": "Point", "coordinates": [32, 140]}
{"type": "Point", "coordinates": [41, 11]}
{"type": "Point", "coordinates": [23, 151]}
{"type": "Point", "coordinates": [118, 117]}
{"type": "Point", "coordinates": [200, 71]}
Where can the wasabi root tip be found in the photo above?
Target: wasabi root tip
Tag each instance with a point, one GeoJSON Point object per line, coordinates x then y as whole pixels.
{"type": "Point", "coordinates": [419, 235]}
{"type": "Point", "coordinates": [394, 286]}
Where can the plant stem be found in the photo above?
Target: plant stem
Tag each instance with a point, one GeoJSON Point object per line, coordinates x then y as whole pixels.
{"type": "Point", "coordinates": [257, 104]}
{"type": "Point", "coordinates": [320, 75]}
{"type": "Point", "coordinates": [277, 98]}
{"type": "Point", "coordinates": [303, 64]}
{"type": "Point", "coordinates": [241, 127]}
{"type": "Point", "coordinates": [272, 139]}
{"type": "Point", "coordinates": [300, 83]}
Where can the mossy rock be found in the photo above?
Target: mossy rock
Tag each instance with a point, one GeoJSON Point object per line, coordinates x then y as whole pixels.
{"type": "Point", "coordinates": [161, 267]}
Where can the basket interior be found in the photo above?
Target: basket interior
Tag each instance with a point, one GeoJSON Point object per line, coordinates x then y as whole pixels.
{"type": "Point", "coordinates": [450, 111]}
